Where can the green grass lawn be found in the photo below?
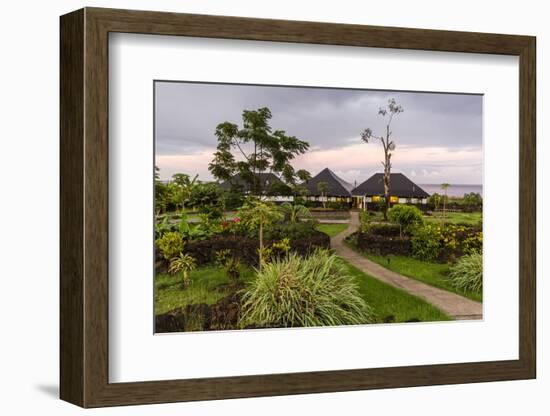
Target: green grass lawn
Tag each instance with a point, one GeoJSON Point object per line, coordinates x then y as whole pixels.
{"type": "Point", "coordinates": [472, 218]}
{"type": "Point", "coordinates": [332, 229]}
{"type": "Point", "coordinates": [207, 287]}
{"type": "Point", "coordinates": [390, 301]}
{"type": "Point", "coordinates": [434, 274]}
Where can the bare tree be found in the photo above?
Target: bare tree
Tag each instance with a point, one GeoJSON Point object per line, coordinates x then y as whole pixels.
{"type": "Point", "coordinates": [390, 110]}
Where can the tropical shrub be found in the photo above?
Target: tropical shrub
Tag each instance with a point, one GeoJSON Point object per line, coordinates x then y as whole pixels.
{"type": "Point", "coordinates": [198, 232]}
{"type": "Point", "coordinates": [170, 245]}
{"type": "Point", "coordinates": [207, 227]}
{"type": "Point", "coordinates": [364, 220]}
{"type": "Point", "coordinates": [294, 213]}
{"type": "Point", "coordinates": [231, 264]}
{"type": "Point", "coordinates": [232, 226]}
{"type": "Point", "coordinates": [183, 263]}
{"type": "Point", "coordinates": [467, 273]}
{"type": "Point", "coordinates": [473, 243]}
{"type": "Point", "coordinates": [407, 216]}
{"type": "Point", "coordinates": [280, 248]}
{"type": "Point", "coordinates": [299, 292]}
{"type": "Point", "coordinates": [183, 225]}
{"type": "Point", "coordinates": [213, 213]}
{"type": "Point", "coordinates": [163, 226]}
{"type": "Point", "coordinates": [293, 231]}
{"type": "Point", "coordinates": [275, 250]}
{"type": "Point", "coordinates": [460, 239]}
{"type": "Point", "coordinates": [233, 199]}
{"type": "Point", "coordinates": [205, 197]}
{"type": "Point", "coordinates": [426, 242]}
{"type": "Point", "coordinates": [338, 205]}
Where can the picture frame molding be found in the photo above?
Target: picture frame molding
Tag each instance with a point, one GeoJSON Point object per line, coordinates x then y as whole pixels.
{"type": "Point", "coordinates": [84, 219]}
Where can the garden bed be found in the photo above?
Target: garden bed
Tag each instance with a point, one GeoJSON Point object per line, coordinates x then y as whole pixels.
{"type": "Point", "coordinates": [430, 241]}
{"type": "Point", "coordinates": [213, 303]}
{"type": "Point", "coordinates": [244, 248]}
{"type": "Point", "coordinates": [382, 244]}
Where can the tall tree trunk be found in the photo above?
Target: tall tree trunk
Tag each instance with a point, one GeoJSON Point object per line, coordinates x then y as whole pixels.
{"type": "Point", "coordinates": [387, 168]}
{"type": "Point", "coordinates": [386, 187]}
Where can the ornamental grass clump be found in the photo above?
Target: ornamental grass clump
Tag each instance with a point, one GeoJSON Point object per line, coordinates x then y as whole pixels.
{"type": "Point", "coordinates": [467, 273]}
{"type": "Point", "coordinates": [299, 292]}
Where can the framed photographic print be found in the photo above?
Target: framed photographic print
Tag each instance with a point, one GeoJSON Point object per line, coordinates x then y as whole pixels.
{"type": "Point", "coordinates": [255, 207]}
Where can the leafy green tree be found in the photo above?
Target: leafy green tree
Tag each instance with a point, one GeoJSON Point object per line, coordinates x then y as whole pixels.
{"type": "Point", "coordinates": [473, 200]}
{"type": "Point", "coordinates": [391, 110]}
{"type": "Point", "coordinates": [257, 214]}
{"type": "Point", "coordinates": [303, 175]}
{"type": "Point", "coordinates": [254, 149]}
{"type": "Point", "coordinates": [279, 188]}
{"type": "Point", "coordinates": [173, 196]}
{"type": "Point", "coordinates": [160, 193]}
{"type": "Point", "coordinates": [407, 216]}
{"type": "Point", "coordinates": [206, 197]}
{"type": "Point", "coordinates": [185, 184]}
{"type": "Point", "coordinates": [323, 187]}
{"type": "Point", "coordinates": [435, 199]}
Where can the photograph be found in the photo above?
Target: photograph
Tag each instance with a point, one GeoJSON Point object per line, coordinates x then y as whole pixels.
{"type": "Point", "coordinates": [279, 206]}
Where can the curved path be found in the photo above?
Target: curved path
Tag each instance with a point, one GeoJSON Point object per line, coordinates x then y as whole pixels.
{"type": "Point", "coordinates": [456, 306]}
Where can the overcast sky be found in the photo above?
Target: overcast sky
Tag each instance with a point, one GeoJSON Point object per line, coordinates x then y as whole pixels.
{"type": "Point", "coordinates": [438, 137]}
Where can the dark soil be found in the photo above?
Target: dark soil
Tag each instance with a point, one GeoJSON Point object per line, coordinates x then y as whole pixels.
{"type": "Point", "coordinates": [224, 314]}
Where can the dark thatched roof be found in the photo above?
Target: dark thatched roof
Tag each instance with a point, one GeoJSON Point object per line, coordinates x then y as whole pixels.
{"type": "Point", "coordinates": [336, 185]}
{"type": "Point", "coordinates": [268, 181]}
{"type": "Point", "coordinates": [400, 186]}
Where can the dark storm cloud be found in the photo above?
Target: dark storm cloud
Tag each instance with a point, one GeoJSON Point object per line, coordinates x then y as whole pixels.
{"type": "Point", "coordinates": [188, 113]}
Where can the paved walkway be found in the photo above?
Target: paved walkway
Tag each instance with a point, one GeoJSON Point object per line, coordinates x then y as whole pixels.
{"type": "Point", "coordinates": [456, 306]}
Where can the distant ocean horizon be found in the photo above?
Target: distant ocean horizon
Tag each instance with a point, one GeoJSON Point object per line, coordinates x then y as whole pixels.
{"type": "Point", "coordinates": [452, 190]}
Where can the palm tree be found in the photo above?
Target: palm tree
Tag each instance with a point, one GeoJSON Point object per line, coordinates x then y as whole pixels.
{"type": "Point", "coordinates": [323, 188]}
{"type": "Point", "coordinates": [259, 214]}
{"type": "Point", "coordinates": [295, 212]}
{"type": "Point", "coordinates": [184, 263]}
{"type": "Point", "coordinates": [444, 186]}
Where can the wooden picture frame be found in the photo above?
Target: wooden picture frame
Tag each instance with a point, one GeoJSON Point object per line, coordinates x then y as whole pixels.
{"type": "Point", "coordinates": [84, 207]}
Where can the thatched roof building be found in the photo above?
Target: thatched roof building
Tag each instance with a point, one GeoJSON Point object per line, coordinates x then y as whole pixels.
{"type": "Point", "coordinates": [402, 189]}
{"type": "Point", "coordinates": [337, 187]}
